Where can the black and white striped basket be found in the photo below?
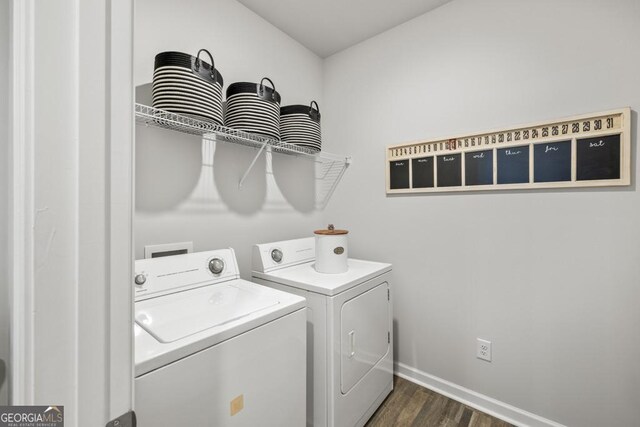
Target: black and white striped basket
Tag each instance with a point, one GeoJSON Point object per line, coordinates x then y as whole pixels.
{"type": "Point", "coordinates": [254, 108]}
{"type": "Point", "coordinates": [187, 85]}
{"type": "Point", "coordinates": [300, 125]}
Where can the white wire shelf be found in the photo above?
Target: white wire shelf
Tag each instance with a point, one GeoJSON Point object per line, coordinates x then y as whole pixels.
{"type": "Point", "coordinates": [329, 167]}
{"type": "Point", "coordinates": [164, 119]}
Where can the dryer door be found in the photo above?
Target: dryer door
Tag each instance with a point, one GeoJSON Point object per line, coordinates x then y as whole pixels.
{"type": "Point", "coordinates": [365, 334]}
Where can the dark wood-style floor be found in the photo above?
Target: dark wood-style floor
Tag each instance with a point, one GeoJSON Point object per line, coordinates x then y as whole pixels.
{"type": "Point", "coordinates": [412, 405]}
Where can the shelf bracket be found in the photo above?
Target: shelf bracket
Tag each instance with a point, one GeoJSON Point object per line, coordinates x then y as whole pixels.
{"type": "Point", "coordinates": [347, 163]}
{"type": "Point", "coordinates": [253, 162]}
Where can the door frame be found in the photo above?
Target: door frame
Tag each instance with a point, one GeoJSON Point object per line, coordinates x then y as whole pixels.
{"type": "Point", "coordinates": [100, 204]}
{"type": "Point", "coordinates": [21, 369]}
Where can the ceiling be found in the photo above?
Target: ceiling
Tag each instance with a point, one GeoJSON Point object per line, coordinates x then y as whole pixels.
{"type": "Point", "coordinates": [329, 26]}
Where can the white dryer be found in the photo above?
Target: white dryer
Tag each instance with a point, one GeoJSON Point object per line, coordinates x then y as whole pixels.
{"type": "Point", "coordinates": [350, 355]}
{"type": "Point", "coordinates": [212, 349]}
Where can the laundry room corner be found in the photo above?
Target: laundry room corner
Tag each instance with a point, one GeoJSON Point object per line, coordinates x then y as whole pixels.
{"type": "Point", "coordinates": [549, 276]}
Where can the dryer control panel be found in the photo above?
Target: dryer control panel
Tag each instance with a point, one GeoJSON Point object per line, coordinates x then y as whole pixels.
{"type": "Point", "coordinates": [273, 256]}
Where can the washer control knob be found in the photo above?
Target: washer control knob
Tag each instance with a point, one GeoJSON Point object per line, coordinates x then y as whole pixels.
{"type": "Point", "coordinates": [216, 265]}
{"type": "Point", "coordinates": [140, 279]}
{"type": "Point", "coordinates": [276, 255]}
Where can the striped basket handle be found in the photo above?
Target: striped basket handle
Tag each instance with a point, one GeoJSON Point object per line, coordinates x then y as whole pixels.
{"type": "Point", "coordinates": [262, 93]}
{"type": "Point", "coordinates": [213, 66]}
{"type": "Point", "coordinates": [314, 114]}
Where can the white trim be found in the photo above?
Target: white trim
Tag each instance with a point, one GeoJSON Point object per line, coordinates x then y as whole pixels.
{"type": "Point", "coordinates": [486, 404]}
{"type": "Point", "coordinates": [21, 390]}
{"type": "Point", "coordinates": [74, 117]}
{"type": "Point", "coordinates": [120, 204]}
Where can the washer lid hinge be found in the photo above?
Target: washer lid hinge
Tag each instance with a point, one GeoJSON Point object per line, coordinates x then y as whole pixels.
{"type": "Point", "coordinates": [388, 296]}
{"type": "Point", "coordinates": [388, 337]}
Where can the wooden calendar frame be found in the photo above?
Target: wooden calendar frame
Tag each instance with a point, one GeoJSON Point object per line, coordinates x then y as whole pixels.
{"type": "Point", "coordinates": [605, 126]}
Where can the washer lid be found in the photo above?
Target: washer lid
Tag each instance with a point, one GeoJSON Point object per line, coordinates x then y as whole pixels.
{"type": "Point", "coordinates": [304, 276]}
{"type": "Point", "coordinates": [179, 315]}
{"type": "Point", "coordinates": [151, 353]}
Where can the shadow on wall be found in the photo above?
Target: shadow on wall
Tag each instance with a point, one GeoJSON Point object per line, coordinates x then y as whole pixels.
{"type": "Point", "coordinates": [168, 164]}
{"type": "Point", "coordinates": [175, 170]}
{"type": "Point", "coordinates": [168, 167]}
{"type": "Point", "coordinates": [296, 178]}
{"type": "Point", "coordinates": [229, 164]}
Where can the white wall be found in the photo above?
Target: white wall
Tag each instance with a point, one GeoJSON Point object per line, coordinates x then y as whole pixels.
{"type": "Point", "coordinates": [177, 196]}
{"type": "Point", "coordinates": [4, 195]}
{"type": "Point", "coordinates": [550, 277]}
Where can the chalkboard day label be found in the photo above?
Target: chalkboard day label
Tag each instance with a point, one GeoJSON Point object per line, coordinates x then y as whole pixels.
{"type": "Point", "coordinates": [449, 170]}
{"type": "Point", "coordinates": [598, 158]}
{"type": "Point", "coordinates": [552, 162]}
{"type": "Point", "coordinates": [513, 165]}
{"type": "Point", "coordinates": [422, 172]}
{"type": "Point", "coordinates": [399, 174]}
{"type": "Point", "coordinates": [478, 167]}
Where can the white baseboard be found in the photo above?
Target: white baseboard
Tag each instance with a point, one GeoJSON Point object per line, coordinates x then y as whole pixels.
{"type": "Point", "coordinates": [486, 404]}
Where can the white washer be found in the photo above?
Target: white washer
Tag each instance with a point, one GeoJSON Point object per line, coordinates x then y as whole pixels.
{"type": "Point", "coordinates": [212, 349]}
{"type": "Point", "coordinates": [350, 355]}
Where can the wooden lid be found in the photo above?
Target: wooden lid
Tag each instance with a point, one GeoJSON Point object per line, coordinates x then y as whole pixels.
{"type": "Point", "coordinates": [330, 231]}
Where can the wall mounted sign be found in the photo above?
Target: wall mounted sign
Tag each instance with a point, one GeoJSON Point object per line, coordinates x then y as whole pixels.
{"type": "Point", "coordinates": [592, 150]}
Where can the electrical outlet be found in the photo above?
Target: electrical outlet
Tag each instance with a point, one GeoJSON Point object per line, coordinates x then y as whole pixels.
{"type": "Point", "coordinates": [483, 350]}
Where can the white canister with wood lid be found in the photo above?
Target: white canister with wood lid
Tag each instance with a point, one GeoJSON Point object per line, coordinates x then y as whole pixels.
{"type": "Point", "coordinates": [331, 250]}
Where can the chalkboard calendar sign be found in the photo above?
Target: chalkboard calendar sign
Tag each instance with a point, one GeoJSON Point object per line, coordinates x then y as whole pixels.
{"type": "Point", "coordinates": [590, 150]}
